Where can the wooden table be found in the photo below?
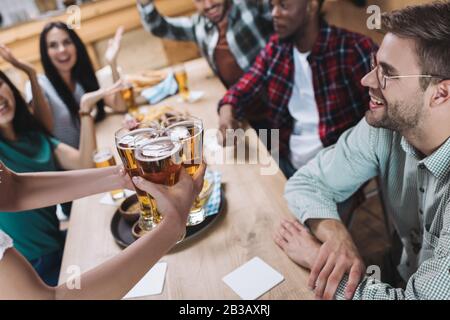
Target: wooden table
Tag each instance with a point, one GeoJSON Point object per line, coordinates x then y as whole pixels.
{"type": "Point", "coordinates": [254, 207]}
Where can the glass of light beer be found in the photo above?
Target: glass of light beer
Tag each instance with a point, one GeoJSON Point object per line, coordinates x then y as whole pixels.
{"type": "Point", "coordinates": [126, 143]}
{"type": "Point", "coordinates": [182, 80]}
{"type": "Point", "coordinates": [128, 96]}
{"type": "Point", "coordinates": [104, 158]}
{"type": "Point", "coordinates": [189, 131]}
{"type": "Point", "coordinates": [158, 161]}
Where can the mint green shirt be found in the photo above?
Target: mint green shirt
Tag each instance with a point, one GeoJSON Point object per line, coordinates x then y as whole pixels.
{"type": "Point", "coordinates": [417, 194]}
{"type": "Point", "coordinates": [35, 232]}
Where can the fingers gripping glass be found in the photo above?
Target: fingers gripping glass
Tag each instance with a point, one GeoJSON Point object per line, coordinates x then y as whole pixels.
{"type": "Point", "coordinates": [382, 78]}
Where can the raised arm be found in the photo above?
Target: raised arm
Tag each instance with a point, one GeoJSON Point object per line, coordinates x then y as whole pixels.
{"type": "Point", "coordinates": [115, 101]}
{"type": "Point", "coordinates": [180, 28]}
{"type": "Point", "coordinates": [70, 158]}
{"type": "Point", "coordinates": [39, 104]}
{"type": "Point", "coordinates": [18, 280]}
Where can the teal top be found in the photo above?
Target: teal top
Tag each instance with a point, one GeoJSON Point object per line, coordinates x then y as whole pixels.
{"type": "Point", "coordinates": [35, 232]}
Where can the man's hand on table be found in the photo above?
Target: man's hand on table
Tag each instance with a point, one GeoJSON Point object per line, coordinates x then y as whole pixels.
{"type": "Point", "coordinates": [226, 122]}
{"type": "Point", "coordinates": [337, 257]}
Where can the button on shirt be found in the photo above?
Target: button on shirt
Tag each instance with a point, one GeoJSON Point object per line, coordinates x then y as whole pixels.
{"type": "Point", "coordinates": [305, 140]}
{"type": "Point", "coordinates": [411, 184]}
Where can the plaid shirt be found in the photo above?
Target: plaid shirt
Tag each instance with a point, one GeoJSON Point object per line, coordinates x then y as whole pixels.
{"type": "Point", "coordinates": [339, 60]}
{"type": "Point", "coordinates": [249, 28]}
{"type": "Point", "coordinates": [416, 192]}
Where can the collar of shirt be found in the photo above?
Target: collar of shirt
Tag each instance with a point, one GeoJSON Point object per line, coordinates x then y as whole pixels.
{"type": "Point", "coordinates": [322, 42]}
{"type": "Point", "coordinates": [437, 163]}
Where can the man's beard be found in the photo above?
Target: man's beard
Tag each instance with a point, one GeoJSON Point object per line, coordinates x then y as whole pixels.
{"type": "Point", "coordinates": [398, 116]}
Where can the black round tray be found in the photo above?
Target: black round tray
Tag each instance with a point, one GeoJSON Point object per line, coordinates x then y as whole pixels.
{"type": "Point", "coordinates": [121, 229]}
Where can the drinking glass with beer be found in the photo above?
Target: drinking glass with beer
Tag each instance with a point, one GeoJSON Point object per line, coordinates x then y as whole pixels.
{"type": "Point", "coordinates": [126, 143]}
{"type": "Point", "coordinates": [158, 161]}
{"type": "Point", "coordinates": [182, 80]}
{"type": "Point", "coordinates": [104, 158]}
{"type": "Point", "coordinates": [188, 131]}
{"type": "Point", "coordinates": [128, 96]}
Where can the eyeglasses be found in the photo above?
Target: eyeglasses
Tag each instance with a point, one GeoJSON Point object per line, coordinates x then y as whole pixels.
{"type": "Point", "coordinates": [382, 78]}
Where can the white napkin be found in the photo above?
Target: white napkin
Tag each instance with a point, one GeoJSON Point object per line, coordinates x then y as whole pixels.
{"type": "Point", "coordinates": [151, 284]}
{"type": "Point", "coordinates": [253, 279]}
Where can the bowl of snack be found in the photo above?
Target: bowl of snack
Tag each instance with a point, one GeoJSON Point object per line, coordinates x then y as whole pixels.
{"type": "Point", "coordinates": [130, 209]}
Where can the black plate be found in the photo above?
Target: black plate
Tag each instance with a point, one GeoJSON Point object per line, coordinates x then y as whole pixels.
{"type": "Point", "coordinates": [121, 229]}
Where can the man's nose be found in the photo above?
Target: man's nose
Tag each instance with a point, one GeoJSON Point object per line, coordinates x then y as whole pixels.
{"type": "Point", "coordinates": [370, 80]}
{"type": "Point", "coordinates": [275, 12]}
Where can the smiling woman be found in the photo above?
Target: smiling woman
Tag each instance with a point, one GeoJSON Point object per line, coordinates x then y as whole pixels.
{"type": "Point", "coordinates": [69, 74]}
{"type": "Point", "coordinates": [26, 146]}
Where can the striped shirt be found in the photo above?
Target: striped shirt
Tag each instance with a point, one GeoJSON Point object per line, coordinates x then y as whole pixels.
{"type": "Point", "coordinates": [417, 195]}
{"type": "Point", "coordinates": [249, 28]}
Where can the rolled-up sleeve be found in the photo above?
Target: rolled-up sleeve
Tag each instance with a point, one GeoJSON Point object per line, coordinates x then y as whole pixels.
{"type": "Point", "coordinates": [431, 281]}
{"type": "Point", "coordinates": [334, 175]}
{"type": "Point", "coordinates": [181, 29]}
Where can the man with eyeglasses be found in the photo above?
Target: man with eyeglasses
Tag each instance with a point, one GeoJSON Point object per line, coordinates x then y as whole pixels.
{"type": "Point", "coordinates": [405, 141]}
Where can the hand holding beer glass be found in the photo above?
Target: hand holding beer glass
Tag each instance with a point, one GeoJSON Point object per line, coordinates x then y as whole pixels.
{"type": "Point", "coordinates": [126, 143]}
{"type": "Point", "coordinates": [158, 161]}
{"type": "Point", "coordinates": [189, 131]}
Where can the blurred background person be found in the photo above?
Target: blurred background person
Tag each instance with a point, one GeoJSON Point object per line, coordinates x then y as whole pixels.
{"type": "Point", "coordinates": [229, 34]}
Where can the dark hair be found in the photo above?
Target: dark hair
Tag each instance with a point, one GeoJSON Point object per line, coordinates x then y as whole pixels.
{"type": "Point", "coordinates": [82, 72]}
{"type": "Point", "coordinates": [23, 120]}
{"type": "Point", "coordinates": [429, 26]}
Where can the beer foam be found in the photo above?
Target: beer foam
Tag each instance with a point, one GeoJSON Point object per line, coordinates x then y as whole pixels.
{"type": "Point", "coordinates": [179, 133]}
{"type": "Point", "coordinates": [157, 149]}
{"type": "Point", "coordinates": [102, 156]}
{"type": "Point", "coordinates": [127, 140]}
{"type": "Point", "coordinates": [132, 140]}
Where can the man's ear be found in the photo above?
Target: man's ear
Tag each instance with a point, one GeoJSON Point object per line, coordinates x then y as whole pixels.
{"type": "Point", "coordinates": [442, 93]}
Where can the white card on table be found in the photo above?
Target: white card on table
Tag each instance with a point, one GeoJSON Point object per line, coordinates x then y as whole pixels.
{"type": "Point", "coordinates": [151, 284]}
{"type": "Point", "coordinates": [253, 279]}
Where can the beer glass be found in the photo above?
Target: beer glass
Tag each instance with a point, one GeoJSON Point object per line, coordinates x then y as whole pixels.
{"type": "Point", "coordinates": [182, 80]}
{"type": "Point", "coordinates": [189, 131]}
{"type": "Point", "coordinates": [126, 143]}
{"type": "Point", "coordinates": [104, 158]}
{"type": "Point", "coordinates": [128, 97]}
{"type": "Point", "coordinates": [158, 161]}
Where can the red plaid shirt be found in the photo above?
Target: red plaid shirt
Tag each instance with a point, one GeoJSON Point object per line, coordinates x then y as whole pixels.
{"type": "Point", "coordinates": [339, 60]}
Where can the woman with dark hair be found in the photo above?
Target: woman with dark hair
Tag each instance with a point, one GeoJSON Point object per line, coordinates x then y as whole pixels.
{"type": "Point", "coordinates": [68, 75]}
{"type": "Point", "coordinates": [26, 146]}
